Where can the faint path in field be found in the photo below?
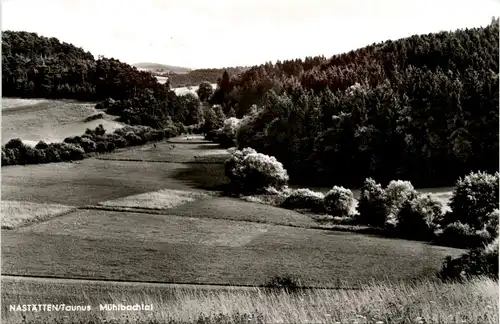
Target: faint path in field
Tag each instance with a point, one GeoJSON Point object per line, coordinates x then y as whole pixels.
{"type": "Point", "coordinates": [207, 286]}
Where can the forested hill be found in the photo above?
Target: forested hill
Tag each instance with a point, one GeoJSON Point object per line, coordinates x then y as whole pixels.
{"type": "Point", "coordinates": [195, 77]}
{"type": "Point", "coordinates": [37, 66]}
{"type": "Point", "coordinates": [422, 108]}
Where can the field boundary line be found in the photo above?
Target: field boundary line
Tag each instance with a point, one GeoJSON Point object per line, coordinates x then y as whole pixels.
{"type": "Point", "coordinates": [156, 161]}
{"type": "Point", "coordinates": [190, 142]}
{"type": "Point", "coordinates": [166, 212]}
{"type": "Point", "coordinates": [164, 283]}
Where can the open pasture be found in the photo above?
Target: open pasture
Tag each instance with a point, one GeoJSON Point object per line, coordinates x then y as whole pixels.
{"type": "Point", "coordinates": [239, 210]}
{"type": "Point", "coordinates": [184, 90]}
{"type": "Point", "coordinates": [167, 248]}
{"type": "Point", "coordinates": [33, 120]}
{"type": "Point", "coordinates": [161, 199]}
{"type": "Point", "coordinates": [173, 151]}
{"type": "Point", "coordinates": [87, 182]}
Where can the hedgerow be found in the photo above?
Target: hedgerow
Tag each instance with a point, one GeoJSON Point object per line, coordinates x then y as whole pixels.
{"type": "Point", "coordinates": [74, 148]}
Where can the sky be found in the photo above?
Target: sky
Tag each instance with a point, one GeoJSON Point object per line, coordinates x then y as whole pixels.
{"type": "Point", "coordinates": [222, 33]}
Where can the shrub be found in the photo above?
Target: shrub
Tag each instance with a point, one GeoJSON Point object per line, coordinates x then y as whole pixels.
{"type": "Point", "coordinates": [288, 283]}
{"type": "Point", "coordinates": [120, 142]}
{"type": "Point", "coordinates": [132, 139]}
{"type": "Point", "coordinates": [73, 140]}
{"type": "Point", "coordinates": [28, 155]}
{"type": "Point", "coordinates": [11, 156]}
{"type": "Point", "coordinates": [40, 156]}
{"type": "Point", "coordinates": [205, 91]}
{"type": "Point", "coordinates": [99, 130]}
{"type": "Point", "coordinates": [41, 145]}
{"type": "Point", "coordinates": [88, 145]}
{"type": "Point", "coordinates": [14, 143]}
{"type": "Point", "coordinates": [71, 152]}
{"type": "Point", "coordinates": [372, 205]}
{"type": "Point", "coordinates": [5, 160]}
{"type": "Point", "coordinates": [474, 198]}
{"type": "Point", "coordinates": [181, 128]}
{"type": "Point", "coordinates": [111, 146]}
{"type": "Point", "coordinates": [227, 134]}
{"type": "Point", "coordinates": [250, 171]}
{"type": "Point", "coordinates": [101, 147]}
{"type": "Point", "coordinates": [418, 217]}
{"type": "Point", "coordinates": [397, 193]}
{"type": "Point", "coordinates": [339, 201]}
{"type": "Point", "coordinates": [305, 199]}
{"type": "Point", "coordinates": [492, 223]}
{"type": "Point", "coordinates": [95, 116]}
{"type": "Point", "coordinates": [462, 236]}
{"type": "Point", "coordinates": [170, 131]}
{"type": "Point", "coordinates": [214, 119]}
{"type": "Point", "coordinates": [52, 154]}
{"type": "Point", "coordinates": [477, 262]}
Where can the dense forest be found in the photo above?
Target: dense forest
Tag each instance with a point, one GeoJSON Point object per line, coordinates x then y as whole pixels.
{"type": "Point", "coordinates": [422, 108]}
{"type": "Point", "coordinates": [37, 66]}
{"type": "Point", "coordinates": [195, 77]}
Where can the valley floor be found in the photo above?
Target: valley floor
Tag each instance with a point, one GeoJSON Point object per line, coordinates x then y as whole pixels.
{"type": "Point", "coordinates": [145, 214]}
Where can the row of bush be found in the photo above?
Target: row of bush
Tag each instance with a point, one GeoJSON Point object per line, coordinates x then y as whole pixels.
{"type": "Point", "coordinates": [398, 209]}
{"type": "Point", "coordinates": [74, 148]}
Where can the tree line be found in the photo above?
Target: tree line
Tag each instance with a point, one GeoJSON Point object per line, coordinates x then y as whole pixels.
{"type": "Point", "coordinates": [422, 108]}
{"type": "Point", "coordinates": [38, 66]}
{"type": "Point", "coordinates": [197, 76]}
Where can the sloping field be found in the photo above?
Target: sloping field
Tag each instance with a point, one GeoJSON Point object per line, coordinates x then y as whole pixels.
{"type": "Point", "coordinates": [89, 181]}
{"type": "Point", "coordinates": [33, 120]}
{"type": "Point", "coordinates": [161, 199]}
{"type": "Point", "coordinates": [19, 213]}
{"type": "Point", "coordinates": [183, 90]}
{"type": "Point", "coordinates": [236, 209]}
{"type": "Point", "coordinates": [144, 247]}
{"type": "Point", "coordinates": [173, 151]}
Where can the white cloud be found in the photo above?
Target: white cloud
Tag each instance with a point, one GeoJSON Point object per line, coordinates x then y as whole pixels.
{"type": "Point", "coordinates": [200, 33]}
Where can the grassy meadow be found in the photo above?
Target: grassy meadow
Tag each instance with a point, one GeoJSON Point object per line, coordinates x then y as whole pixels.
{"type": "Point", "coordinates": [33, 120]}
{"type": "Point", "coordinates": [169, 248]}
{"type": "Point", "coordinates": [191, 150]}
{"type": "Point", "coordinates": [87, 182]}
{"type": "Point", "coordinates": [426, 301]}
{"type": "Point", "coordinates": [143, 215]}
{"type": "Point", "coordinates": [19, 213]}
{"type": "Point", "coordinates": [183, 90]}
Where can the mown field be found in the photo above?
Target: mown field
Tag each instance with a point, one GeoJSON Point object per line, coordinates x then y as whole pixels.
{"type": "Point", "coordinates": [169, 248]}
{"type": "Point", "coordinates": [33, 120]}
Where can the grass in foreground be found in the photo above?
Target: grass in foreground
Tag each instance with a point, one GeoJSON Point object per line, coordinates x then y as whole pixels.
{"type": "Point", "coordinates": [19, 213]}
{"type": "Point", "coordinates": [422, 302]}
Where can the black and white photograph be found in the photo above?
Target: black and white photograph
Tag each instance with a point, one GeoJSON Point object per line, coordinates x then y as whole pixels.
{"type": "Point", "coordinates": [250, 162]}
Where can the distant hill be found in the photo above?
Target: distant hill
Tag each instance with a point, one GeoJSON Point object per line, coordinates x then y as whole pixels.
{"type": "Point", "coordinates": [162, 68]}
{"type": "Point", "coordinates": [195, 77]}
